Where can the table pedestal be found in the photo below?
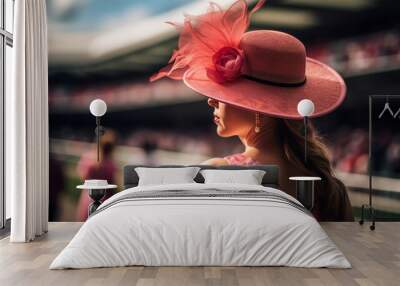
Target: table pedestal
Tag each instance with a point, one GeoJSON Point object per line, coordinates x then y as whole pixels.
{"type": "Point", "coordinates": [305, 190]}
{"type": "Point", "coordinates": [305, 193]}
{"type": "Point", "coordinates": [96, 195]}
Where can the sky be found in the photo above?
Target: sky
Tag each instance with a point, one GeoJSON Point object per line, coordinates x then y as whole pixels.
{"type": "Point", "coordinates": [98, 14]}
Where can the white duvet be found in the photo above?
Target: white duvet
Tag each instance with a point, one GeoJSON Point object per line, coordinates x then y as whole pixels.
{"type": "Point", "coordinates": [188, 231]}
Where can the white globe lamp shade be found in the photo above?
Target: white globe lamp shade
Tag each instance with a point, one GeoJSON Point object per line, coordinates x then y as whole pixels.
{"type": "Point", "coordinates": [305, 107]}
{"type": "Point", "coordinates": [98, 107]}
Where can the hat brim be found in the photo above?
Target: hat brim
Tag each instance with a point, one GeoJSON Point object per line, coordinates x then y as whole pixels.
{"type": "Point", "coordinates": [324, 86]}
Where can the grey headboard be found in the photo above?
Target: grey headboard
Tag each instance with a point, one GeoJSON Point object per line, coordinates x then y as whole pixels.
{"type": "Point", "coordinates": [271, 177]}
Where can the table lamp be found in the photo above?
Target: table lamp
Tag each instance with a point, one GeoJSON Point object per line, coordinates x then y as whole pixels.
{"type": "Point", "coordinates": [98, 108]}
{"type": "Point", "coordinates": [305, 184]}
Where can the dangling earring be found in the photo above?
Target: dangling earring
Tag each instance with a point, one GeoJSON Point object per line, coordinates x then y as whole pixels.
{"type": "Point", "coordinates": [257, 128]}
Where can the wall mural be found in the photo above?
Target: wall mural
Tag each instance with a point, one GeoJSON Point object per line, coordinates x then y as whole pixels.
{"type": "Point", "coordinates": [192, 96]}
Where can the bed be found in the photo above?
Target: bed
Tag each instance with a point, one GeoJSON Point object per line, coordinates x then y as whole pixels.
{"type": "Point", "coordinates": [199, 224]}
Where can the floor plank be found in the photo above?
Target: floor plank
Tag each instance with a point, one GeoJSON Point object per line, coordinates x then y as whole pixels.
{"type": "Point", "coordinates": [375, 257]}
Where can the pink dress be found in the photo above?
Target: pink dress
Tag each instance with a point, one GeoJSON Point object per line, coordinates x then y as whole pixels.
{"type": "Point", "coordinates": [240, 159]}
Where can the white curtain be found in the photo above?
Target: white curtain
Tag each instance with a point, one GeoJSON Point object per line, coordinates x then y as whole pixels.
{"type": "Point", "coordinates": [27, 124]}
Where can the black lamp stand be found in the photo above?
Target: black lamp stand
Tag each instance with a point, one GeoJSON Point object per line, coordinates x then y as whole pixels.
{"type": "Point", "coordinates": [369, 207]}
{"type": "Point", "coordinates": [305, 139]}
{"type": "Point", "coordinates": [96, 194]}
{"type": "Point", "coordinates": [305, 191]}
{"type": "Point", "coordinates": [99, 131]}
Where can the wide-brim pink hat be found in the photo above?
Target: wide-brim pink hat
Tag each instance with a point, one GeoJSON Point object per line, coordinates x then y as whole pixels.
{"type": "Point", "coordinates": [264, 71]}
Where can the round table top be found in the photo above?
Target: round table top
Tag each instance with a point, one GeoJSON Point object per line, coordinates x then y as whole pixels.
{"type": "Point", "coordinates": [305, 178]}
{"type": "Point", "coordinates": [86, 187]}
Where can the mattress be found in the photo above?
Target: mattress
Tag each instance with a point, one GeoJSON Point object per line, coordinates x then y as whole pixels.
{"type": "Point", "coordinates": [201, 225]}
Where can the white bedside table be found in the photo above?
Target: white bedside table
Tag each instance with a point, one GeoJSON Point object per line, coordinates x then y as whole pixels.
{"type": "Point", "coordinates": [96, 193]}
{"type": "Point", "coordinates": [305, 192]}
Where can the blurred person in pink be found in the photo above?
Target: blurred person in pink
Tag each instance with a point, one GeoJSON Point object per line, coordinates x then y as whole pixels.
{"type": "Point", "coordinates": [89, 168]}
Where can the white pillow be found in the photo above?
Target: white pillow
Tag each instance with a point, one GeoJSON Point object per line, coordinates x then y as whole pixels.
{"type": "Point", "coordinates": [165, 176]}
{"type": "Point", "coordinates": [248, 177]}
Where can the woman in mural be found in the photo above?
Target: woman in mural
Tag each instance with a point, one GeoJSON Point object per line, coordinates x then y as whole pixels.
{"type": "Point", "coordinates": [254, 81]}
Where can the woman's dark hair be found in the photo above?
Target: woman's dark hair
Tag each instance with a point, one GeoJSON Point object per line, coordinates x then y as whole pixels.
{"type": "Point", "coordinates": [334, 203]}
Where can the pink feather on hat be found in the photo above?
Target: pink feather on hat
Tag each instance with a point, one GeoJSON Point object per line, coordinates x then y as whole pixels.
{"type": "Point", "coordinates": [202, 37]}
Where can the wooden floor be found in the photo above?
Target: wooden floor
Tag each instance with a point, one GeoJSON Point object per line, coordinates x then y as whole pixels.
{"type": "Point", "coordinates": [375, 257]}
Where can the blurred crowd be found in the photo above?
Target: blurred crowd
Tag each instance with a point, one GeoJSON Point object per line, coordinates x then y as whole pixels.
{"type": "Point", "coordinates": [350, 152]}
{"type": "Point", "coordinates": [120, 95]}
{"type": "Point", "coordinates": [374, 52]}
{"type": "Point", "coordinates": [348, 147]}
{"type": "Point", "coordinates": [204, 142]}
{"type": "Point", "coordinates": [377, 51]}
